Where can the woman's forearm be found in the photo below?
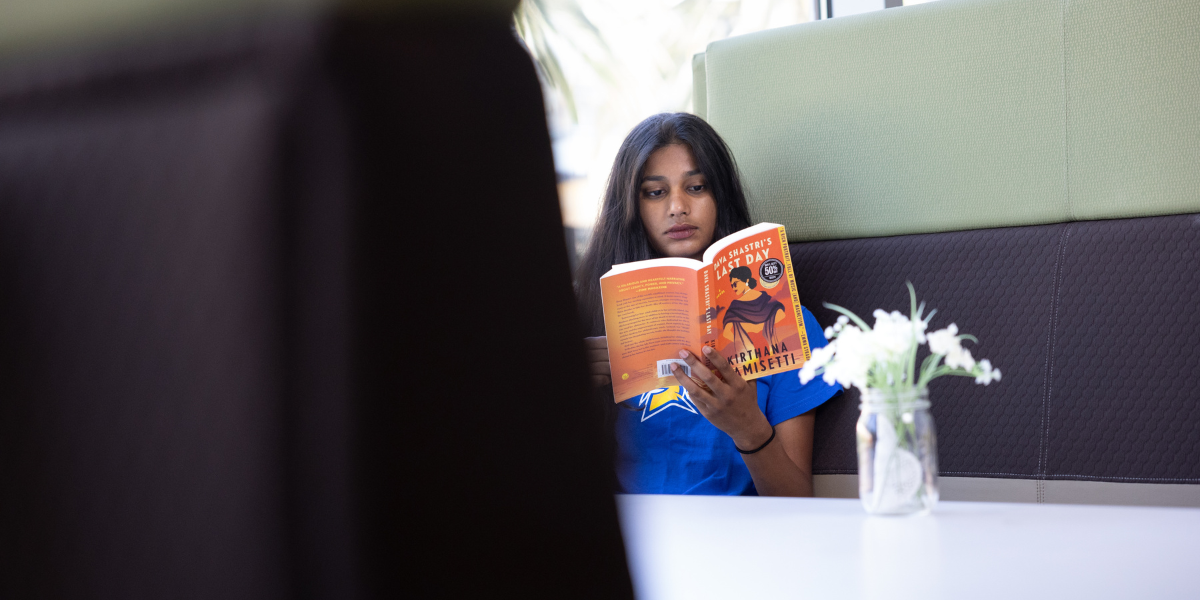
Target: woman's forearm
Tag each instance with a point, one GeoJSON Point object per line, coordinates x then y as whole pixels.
{"type": "Point", "coordinates": [775, 474]}
{"type": "Point", "coordinates": [775, 469]}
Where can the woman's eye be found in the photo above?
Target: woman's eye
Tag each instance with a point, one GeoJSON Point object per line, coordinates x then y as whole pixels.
{"type": "Point", "coordinates": [652, 193]}
{"type": "Point", "coordinates": [697, 188]}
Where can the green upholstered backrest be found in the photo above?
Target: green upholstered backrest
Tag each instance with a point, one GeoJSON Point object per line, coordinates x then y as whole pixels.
{"type": "Point", "coordinates": [699, 85]}
{"type": "Point", "coordinates": [963, 114]}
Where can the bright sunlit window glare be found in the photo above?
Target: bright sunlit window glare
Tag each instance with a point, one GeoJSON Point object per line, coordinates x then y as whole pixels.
{"type": "Point", "coordinates": [608, 64]}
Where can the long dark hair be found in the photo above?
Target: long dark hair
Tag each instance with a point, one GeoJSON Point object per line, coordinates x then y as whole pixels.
{"type": "Point", "coordinates": [619, 236]}
{"type": "Point", "coordinates": [744, 274]}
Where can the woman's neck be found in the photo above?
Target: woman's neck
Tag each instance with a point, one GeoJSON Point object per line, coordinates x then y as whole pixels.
{"type": "Point", "coordinates": [750, 295]}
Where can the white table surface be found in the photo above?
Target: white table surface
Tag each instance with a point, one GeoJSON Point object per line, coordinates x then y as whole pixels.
{"type": "Point", "coordinates": [693, 547]}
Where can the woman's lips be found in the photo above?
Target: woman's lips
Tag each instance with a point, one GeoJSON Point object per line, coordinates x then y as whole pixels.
{"type": "Point", "coordinates": [680, 232]}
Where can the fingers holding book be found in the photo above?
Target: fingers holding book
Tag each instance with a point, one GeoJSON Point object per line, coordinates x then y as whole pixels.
{"type": "Point", "coordinates": [699, 392]}
{"type": "Point", "coordinates": [705, 382]}
{"type": "Point", "coordinates": [723, 397]}
{"type": "Point", "coordinates": [596, 349]}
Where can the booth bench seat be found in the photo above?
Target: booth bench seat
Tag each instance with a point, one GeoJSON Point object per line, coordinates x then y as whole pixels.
{"type": "Point", "coordinates": [1033, 168]}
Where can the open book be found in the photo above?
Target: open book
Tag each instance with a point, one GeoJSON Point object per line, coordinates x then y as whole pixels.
{"type": "Point", "coordinates": [740, 300]}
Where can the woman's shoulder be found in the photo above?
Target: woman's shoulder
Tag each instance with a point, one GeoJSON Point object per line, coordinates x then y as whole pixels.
{"type": "Point", "coordinates": [816, 335]}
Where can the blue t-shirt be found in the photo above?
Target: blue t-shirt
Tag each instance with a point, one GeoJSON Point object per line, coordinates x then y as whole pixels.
{"type": "Point", "coordinates": [668, 447]}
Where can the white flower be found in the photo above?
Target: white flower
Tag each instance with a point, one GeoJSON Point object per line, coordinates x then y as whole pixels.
{"type": "Point", "coordinates": [919, 330]}
{"type": "Point", "coordinates": [944, 341]}
{"type": "Point", "coordinates": [807, 373]}
{"type": "Point", "coordinates": [960, 358]}
{"type": "Point", "coordinates": [820, 357]}
{"type": "Point", "coordinates": [852, 358]}
{"type": "Point", "coordinates": [907, 417]}
{"type": "Point", "coordinates": [879, 355]}
{"type": "Point", "coordinates": [986, 374]}
{"type": "Point", "coordinates": [892, 335]}
{"type": "Point", "coordinates": [841, 322]}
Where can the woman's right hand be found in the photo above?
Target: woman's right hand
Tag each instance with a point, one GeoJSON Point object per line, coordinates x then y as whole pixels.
{"type": "Point", "coordinates": [597, 358]}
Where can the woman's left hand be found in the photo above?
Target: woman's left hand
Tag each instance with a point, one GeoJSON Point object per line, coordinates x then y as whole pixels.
{"type": "Point", "coordinates": [727, 401]}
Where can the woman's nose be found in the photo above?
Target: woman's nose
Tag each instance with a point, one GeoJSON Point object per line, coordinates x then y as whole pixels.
{"type": "Point", "coordinates": [679, 204]}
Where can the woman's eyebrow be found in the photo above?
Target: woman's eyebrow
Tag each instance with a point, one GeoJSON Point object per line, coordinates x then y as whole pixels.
{"type": "Point", "coordinates": [661, 178]}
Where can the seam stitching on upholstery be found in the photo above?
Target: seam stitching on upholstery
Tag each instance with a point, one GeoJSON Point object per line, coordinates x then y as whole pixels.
{"type": "Point", "coordinates": [1027, 477]}
{"type": "Point", "coordinates": [1062, 260]}
{"type": "Point", "coordinates": [978, 473]}
{"type": "Point", "coordinates": [1044, 457]}
{"type": "Point", "coordinates": [1046, 364]}
{"type": "Point", "coordinates": [1100, 477]}
{"type": "Point", "coordinates": [1066, 115]}
{"type": "Point", "coordinates": [1048, 369]}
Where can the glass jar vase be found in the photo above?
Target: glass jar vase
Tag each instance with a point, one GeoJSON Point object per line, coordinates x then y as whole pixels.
{"type": "Point", "coordinates": [897, 453]}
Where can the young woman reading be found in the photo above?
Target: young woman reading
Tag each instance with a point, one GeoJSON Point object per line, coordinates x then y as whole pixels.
{"type": "Point", "coordinates": [674, 190]}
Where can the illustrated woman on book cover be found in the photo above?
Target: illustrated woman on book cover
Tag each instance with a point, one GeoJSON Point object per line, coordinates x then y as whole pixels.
{"type": "Point", "coordinates": [673, 190]}
{"type": "Point", "coordinates": [753, 311]}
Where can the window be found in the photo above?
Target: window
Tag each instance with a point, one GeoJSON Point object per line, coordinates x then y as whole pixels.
{"type": "Point", "coordinates": [842, 8]}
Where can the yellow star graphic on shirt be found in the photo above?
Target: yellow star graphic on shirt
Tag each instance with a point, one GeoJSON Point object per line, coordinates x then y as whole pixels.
{"type": "Point", "coordinates": [660, 399]}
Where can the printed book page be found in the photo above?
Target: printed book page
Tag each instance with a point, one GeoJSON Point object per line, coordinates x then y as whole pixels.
{"type": "Point", "coordinates": [650, 312]}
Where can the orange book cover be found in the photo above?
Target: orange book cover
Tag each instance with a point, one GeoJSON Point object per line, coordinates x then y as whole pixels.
{"type": "Point", "coordinates": [740, 299]}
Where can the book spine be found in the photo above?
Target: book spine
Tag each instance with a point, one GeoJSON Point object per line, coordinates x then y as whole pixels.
{"type": "Point", "coordinates": [705, 279]}
{"type": "Point", "coordinates": [791, 281]}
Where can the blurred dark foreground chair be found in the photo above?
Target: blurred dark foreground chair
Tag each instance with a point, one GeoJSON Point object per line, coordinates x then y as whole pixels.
{"type": "Point", "coordinates": [248, 348]}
